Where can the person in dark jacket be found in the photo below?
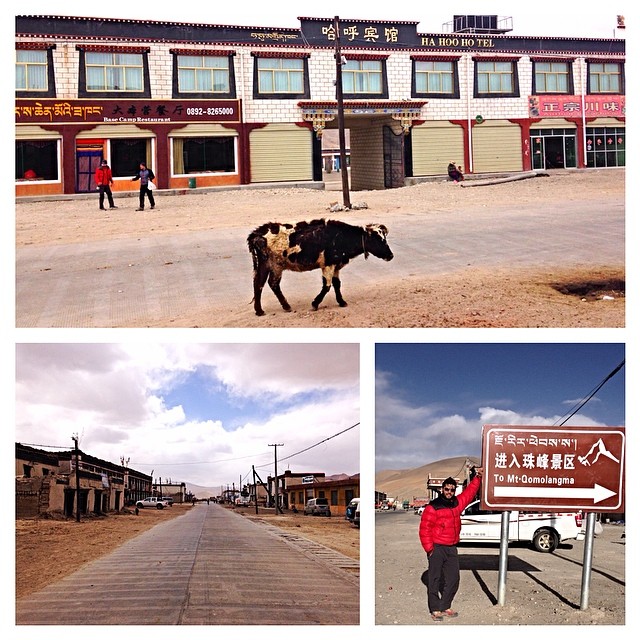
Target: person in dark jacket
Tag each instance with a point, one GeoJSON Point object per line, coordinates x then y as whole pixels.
{"type": "Point", "coordinates": [454, 172]}
{"type": "Point", "coordinates": [104, 180]}
{"type": "Point", "coordinates": [439, 534]}
{"type": "Point", "coordinates": [145, 175]}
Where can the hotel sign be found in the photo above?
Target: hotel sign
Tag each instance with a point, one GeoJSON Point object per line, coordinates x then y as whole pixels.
{"type": "Point", "coordinates": [125, 111]}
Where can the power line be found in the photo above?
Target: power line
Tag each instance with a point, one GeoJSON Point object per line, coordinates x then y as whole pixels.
{"type": "Point", "coordinates": [591, 394]}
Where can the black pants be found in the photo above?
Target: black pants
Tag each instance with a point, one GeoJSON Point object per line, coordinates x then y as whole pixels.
{"type": "Point", "coordinates": [105, 188]}
{"type": "Point", "coordinates": [444, 577]}
{"type": "Point", "coordinates": [144, 189]}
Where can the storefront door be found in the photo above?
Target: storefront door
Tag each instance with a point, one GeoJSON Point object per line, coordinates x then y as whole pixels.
{"type": "Point", "coordinates": [86, 164]}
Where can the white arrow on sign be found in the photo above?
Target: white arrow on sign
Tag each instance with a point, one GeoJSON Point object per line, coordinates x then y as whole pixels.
{"type": "Point", "coordinates": [595, 493]}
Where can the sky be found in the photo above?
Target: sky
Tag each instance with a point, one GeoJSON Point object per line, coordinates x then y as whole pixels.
{"type": "Point", "coordinates": [195, 413]}
{"type": "Point", "coordinates": [432, 399]}
{"type": "Point", "coordinates": [540, 18]}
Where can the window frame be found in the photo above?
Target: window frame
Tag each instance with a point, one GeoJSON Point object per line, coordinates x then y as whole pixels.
{"type": "Point", "coordinates": [83, 92]}
{"type": "Point", "coordinates": [207, 95]}
{"type": "Point", "coordinates": [50, 91]}
{"type": "Point", "coordinates": [515, 89]}
{"type": "Point", "coordinates": [604, 63]}
{"type": "Point", "coordinates": [57, 152]}
{"type": "Point", "coordinates": [536, 90]}
{"type": "Point", "coordinates": [280, 95]}
{"type": "Point", "coordinates": [204, 172]}
{"type": "Point", "coordinates": [455, 92]}
{"type": "Point", "coordinates": [383, 94]}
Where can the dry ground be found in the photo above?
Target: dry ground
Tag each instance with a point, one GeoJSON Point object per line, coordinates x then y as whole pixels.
{"type": "Point", "coordinates": [47, 550]}
{"type": "Point", "coordinates": [487, 298]}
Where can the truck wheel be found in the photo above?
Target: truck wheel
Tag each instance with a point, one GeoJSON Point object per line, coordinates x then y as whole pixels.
{"type": "Point", "coordinates": [160, 506]}
{"type": "Point", "coordinates": [545, 541]}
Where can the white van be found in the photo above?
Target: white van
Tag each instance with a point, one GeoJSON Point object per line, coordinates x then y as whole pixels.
{"type": "Point", "coordinates": [545, 531]}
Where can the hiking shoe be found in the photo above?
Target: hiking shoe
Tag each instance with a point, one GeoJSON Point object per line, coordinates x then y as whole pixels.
{"type": "Point", "coordinates": [436, 616]}
{"type": "Point", "coordinates": [450, 613]}
{"type": "Point", "coordinates": [140, 209]}
{"type": "Point", "coordinates": [113, 207]}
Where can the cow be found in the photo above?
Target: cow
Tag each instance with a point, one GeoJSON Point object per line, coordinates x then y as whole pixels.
{"type": "Point", "coordinates": [320, 244]}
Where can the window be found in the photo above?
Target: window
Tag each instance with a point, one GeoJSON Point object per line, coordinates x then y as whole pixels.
{"type": "Point", "coordinates": [605, 147]}
{"type": "Point", "coordinates": [334, 497]}
{"type": "Point", "coordinates": [435, 78]}
{"type": "Point", "coordinates": [552, 77]}
{"type": "Point", "coordinates": [280, 75]}
{"type": "Point", "coordinates": [605, 77]}
{"type": "Point", "coordinates": [203, 74]}
{"type": "Point", "coordinates": [363, 78]}
{"type": "Point", "coordinates": [204, 155]}
{"type": "Point", "coordinates": [496, 78]}
{"type": "Point", "coordinates": [31, 70]}
{"type": "Point", "coordinates": [37, 159]}
{"type": "Point", "coordinates": [114, 71]}
{"type": "Point", "coordinates": [127, 154]}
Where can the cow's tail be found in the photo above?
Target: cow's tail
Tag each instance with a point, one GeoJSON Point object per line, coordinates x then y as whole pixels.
{"type": "Point", "coordinates": [257, 244]}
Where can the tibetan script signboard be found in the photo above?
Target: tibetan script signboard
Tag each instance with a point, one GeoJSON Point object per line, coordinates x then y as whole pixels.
{"type": "Point", "coordinates": [530, 468]}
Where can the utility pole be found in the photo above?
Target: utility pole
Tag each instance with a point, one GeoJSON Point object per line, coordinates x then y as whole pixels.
{"type": "Point", "coordinates": [341, 136]}
{"type": "Point", "coordinates": [77, 452]}
{"type": "Point", "coordinates": [275, 454]}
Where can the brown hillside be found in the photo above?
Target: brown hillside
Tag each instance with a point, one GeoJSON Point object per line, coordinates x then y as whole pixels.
{"type": "Point", "coordinates": [407, 484]}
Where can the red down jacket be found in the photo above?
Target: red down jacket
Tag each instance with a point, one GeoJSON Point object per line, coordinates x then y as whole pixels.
{"type": "Point", "coordinates": [442, 525]}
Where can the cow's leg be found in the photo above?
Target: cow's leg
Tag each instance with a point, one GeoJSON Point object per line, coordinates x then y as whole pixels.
{"type": "Point", "coordinates": [327, 276]}
{"type": "Point", "coordinates": [274, 283]}
{"type": "Point", "coordinates": [259, 279]}
{"type": "Point", "coordinates": [336, 287]}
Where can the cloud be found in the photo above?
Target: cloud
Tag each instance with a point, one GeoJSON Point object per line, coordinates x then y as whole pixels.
{"type": "Point", "coordinates": [113, 397]}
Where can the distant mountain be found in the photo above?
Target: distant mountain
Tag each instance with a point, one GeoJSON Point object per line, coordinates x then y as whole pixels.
{"type": "Point", "coordinates": [202, 492]}
{"type": "Point", "coordinates": [407, 484]}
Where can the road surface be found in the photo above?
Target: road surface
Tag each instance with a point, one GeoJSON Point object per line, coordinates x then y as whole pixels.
{"type": "Point", "coordinates": [208, 567]}
{"type": "Point", "coordinates": [149, 281]}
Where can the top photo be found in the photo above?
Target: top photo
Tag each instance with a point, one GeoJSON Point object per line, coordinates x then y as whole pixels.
{"type": "Point", "coordinates": [389, 168]}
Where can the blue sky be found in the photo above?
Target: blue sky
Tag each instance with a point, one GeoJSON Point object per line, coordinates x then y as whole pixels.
{"type": "Point", "coordinates": [432, 399]}
{"type": "Point", "coordinates": [198, 413]}
{"type": "Point", "coordinates": [540, 18]}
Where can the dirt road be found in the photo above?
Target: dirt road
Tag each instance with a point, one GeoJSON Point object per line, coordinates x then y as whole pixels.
{"type": "Point", "coordinates": [542, 252]}
{"type": "Point", "coordinates": [542, 589]}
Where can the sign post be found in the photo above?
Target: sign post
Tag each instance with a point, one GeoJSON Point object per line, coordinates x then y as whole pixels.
{"type": "Point", "coordinates": [533, 468]}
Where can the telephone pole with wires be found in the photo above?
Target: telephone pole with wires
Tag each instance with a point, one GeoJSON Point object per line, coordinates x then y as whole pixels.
{"type": "Point", "coordinates": [275, 454]}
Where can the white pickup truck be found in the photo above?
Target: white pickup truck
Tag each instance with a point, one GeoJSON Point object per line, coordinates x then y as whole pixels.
{"type": "Point", "coordinates": [545, 531]}
{"type": "Point", "coordinates": [154, 502]}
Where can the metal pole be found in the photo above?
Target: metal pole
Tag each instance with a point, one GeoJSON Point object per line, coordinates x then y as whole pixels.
{"type": "Point", "coordinates": [587, 561]}
{"type": "Point", "coordinates": [77, 451]}
{"type": "Point", "coordinates": [504, 558]}
{"type": "Point", "coordinates": [341, 135]}
{"type": "Point", "coordinates": [275, 453]}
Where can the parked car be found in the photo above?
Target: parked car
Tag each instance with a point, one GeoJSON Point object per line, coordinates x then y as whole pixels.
{"type": "Point", "coordinates": [545, 531]}
{"type": "Point", "coordinates": [351, 509]}
{"type": "Point", "coordinates": [169, 500]}
{"type": "Point", "coordinates": [317, 507]}
{"type": "Point", "coordinates": [152, 501]}
{"type": "Point", "coordinates": [356, 517]}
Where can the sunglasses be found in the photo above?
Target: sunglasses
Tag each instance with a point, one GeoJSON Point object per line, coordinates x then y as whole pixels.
{"type": "Point", "coordinates": [449, 489]}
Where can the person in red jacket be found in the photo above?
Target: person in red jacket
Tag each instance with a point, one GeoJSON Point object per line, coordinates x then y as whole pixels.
{"type": "Point", "coordinates": [104, 180]}
{"type": "Point", "coordinates": [439, 534]}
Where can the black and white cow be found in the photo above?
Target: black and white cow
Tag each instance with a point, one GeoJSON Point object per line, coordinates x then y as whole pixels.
{"type": "Point", "coordinates": [320, 244]}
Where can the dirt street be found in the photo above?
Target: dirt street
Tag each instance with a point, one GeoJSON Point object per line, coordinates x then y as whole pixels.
{"type": "Point", "coordinates": [541, 588]}
{"type": "Point", "coordinates": [580, 295]}
{"type": "Point", "coordinates": [48, 550]}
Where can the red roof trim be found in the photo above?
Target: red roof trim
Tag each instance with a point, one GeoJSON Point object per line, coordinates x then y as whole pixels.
{"type": "Point", "coordinates": [105, 48]}
{"type": "Point", "coordinates": [202, 52]}
{"type": "Point", "coordinates": [280, 54]}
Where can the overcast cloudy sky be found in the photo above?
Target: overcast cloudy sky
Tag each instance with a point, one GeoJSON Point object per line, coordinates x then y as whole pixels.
{"type": "Point", "coordinates": [544, 17]}
{"type": "Point", "coordinates": [200, 413]}
{"type": "Point", "coordinates": [432, 399]}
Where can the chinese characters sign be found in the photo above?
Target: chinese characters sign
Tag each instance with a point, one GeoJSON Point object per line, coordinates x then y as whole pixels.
{"type": "Point", "coordinates": [550, 106]}
{"type": "Point", "coordinates": [125, 111]}
{"type": "Point", "coordinates": [530, 468]}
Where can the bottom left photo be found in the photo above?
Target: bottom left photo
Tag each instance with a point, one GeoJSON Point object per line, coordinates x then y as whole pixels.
{"type": "Point", "coordinates": [195, 484]}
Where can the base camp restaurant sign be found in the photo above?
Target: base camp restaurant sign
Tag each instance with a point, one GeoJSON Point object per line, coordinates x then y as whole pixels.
{"type": "Point", "coordinates": [553, 468]}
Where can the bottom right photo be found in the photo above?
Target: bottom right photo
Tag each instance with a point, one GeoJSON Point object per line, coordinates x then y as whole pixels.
{"type": "Point", "coordinates": [499, 484]}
